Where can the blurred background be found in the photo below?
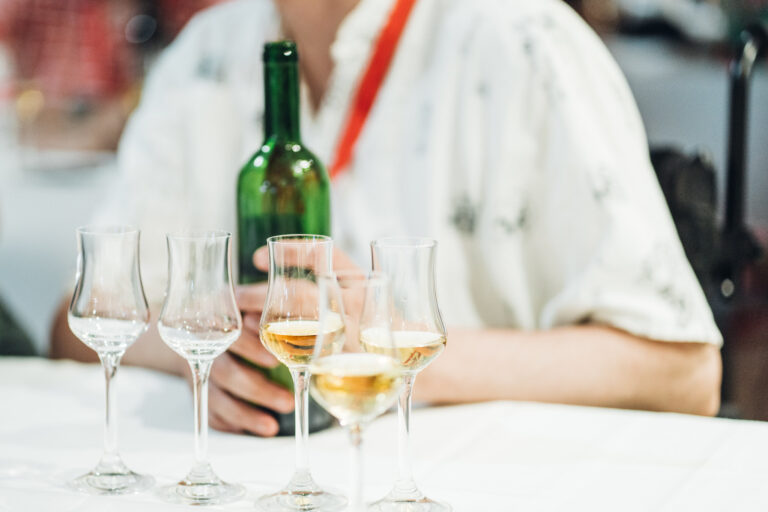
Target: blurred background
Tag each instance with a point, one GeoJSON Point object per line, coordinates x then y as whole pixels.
{"type": "Point", "coordinates": [71, 72]}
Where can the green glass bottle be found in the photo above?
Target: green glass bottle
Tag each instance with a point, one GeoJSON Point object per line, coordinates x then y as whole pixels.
{"type": "Point", "coordinates": [282, 189]}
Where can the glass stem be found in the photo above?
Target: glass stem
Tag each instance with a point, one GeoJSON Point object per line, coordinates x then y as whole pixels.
{"type": "Point", "coordinates": [405, 482]}
{"type": "Point", "coordinates": [201, 370]}
{"type": "Point", "coordinates": [110, 361]}
{"type": "Point", "coordinates": [356, 469]}
{"type": "Point", "coordinates": [301, 396]}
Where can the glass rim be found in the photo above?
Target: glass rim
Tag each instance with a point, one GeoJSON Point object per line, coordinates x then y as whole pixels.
{"type": "Point", "coordinates": [107, 229]}
{"type": "Point", "coordinates": [198, 235]}
{"type": "Point", "coordinates": [406, 242]}
{"type": "Point", "coordinates": [298, 239]}
{"type": "Point", "coordinates": [355, 276]}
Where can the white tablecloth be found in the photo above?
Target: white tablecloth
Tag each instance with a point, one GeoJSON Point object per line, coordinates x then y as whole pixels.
{"type": "Point", "coordinates": [487, 457]}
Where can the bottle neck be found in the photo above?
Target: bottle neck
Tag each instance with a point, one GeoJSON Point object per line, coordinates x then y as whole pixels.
{"type": "Point", "coordinates": [281, 94]}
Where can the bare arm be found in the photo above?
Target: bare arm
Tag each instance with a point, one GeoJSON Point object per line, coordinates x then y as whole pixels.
{"type": "Point", "coordinates": [585, 365]}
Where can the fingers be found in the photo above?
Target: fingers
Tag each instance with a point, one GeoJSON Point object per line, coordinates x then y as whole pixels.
{"type": "Point", "coordinates": [249, 346]}
{"type": "Point", "coordinates": [232, 415]}
{"type": "Point", "coordinates": [214, 419]}
{"type": "Point", "coordinates": [341, 261]}
{"type": "Point", "coordinates": [215, 423]}
{"type": "Point", "coordinates": [298, 253]}
{"type": "Point", "coordinates": [248, 384]}
{"type": "Point", "coordinates": [251, 297]}
{"type": "Point", "coordinates": [261, 258]}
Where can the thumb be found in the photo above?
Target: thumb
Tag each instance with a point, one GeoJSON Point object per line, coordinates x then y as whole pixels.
{"type": "Point", "coordinates": [341, 261]}
{"type": "Point", "coordinates": [261, 258]}
{"type": "Point", "coordinates": [251, 297]}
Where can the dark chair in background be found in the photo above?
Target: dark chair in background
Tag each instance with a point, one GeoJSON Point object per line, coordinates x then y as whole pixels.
{"type": "Point", "coordinates": [13, 340]}
{"type": "Point", "coordinates": [726, 258]}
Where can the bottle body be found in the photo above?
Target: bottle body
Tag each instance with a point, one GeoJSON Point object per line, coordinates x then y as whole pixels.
{"type": "Point", "coordinates": [283, 189]}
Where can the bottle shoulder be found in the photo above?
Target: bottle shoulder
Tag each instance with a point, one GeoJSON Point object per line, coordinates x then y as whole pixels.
{"type": "Point", "coordinates": [283, 159]}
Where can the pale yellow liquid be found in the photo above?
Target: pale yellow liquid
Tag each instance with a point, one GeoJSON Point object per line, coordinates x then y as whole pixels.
{"type": "Point", "coordinates": [414, 349]}
{"type": "Point", "coordinates": [292, 342]}
{"type": "Point", "coordinates": [355, 387]}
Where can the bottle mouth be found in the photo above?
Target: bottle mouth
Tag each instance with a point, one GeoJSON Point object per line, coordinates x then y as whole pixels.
{"type": "Point", "coordinates": [280, 52]}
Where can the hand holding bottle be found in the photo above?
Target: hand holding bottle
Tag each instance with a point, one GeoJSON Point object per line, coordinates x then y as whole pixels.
{"type": "Point", "coordinates": [234, 387]}
{"type": "Point", "coordinates": [341, 262]}
{"type": "Point", "coordinates": [250, 301]}
{"type": "Point", "coordinates": [237, 385]}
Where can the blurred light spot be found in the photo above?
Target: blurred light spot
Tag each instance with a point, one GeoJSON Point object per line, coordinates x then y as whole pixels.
{"type": "Point", "coordinates": [140, 29]}
{"type": "Point", "coordinates": [727, 288]}
{"type": "Point", "coordinates": [29, 104]}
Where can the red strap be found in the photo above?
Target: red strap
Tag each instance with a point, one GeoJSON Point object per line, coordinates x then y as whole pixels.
{"type": "Point", "coordinates": [371, 83]}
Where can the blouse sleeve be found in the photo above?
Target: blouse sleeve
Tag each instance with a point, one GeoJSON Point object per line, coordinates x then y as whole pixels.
{"type": "Point", "coordinates": [172, 148]}
{"type": "Point", "coordinates": [573, 222]}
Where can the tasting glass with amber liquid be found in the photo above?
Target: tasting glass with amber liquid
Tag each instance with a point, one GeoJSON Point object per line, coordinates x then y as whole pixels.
{"type": "Point", "coordinates": [289, 328]}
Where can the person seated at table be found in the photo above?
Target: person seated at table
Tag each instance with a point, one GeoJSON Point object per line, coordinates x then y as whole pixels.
{"type": "Point", "coordinates": [503, 129]}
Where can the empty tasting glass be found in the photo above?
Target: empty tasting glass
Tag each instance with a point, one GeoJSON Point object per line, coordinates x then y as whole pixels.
{"type": "Point", "coordinates": [289, 328]}
{"type": "Point", "coordinates": [352, 384]}
{"type": "Point", "coordinates": [108, 313]}
{"type": "Point", "coordinates": [419, 338]}
{"type": "Point", "coordinates": [199, 321]}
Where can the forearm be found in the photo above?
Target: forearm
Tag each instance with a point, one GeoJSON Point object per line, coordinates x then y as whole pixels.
{"type": "Point", "coordinates": [586, 365]}
{"type": "Point", "coordinates": [148, 351]}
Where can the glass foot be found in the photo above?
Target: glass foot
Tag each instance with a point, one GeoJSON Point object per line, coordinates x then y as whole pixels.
{"type": "Point", "coordinates": [405, 497]}
{"type": "Point", "coordinates": [422, 505]}
{"type": "Point", "coordinates": [203, 493]}
{"type": "Point", "coordinates": [201, 486]}
{"type": "Point", "coordinates": [302, 494]}
{"type": "Point", "coordinates": [286, 501]}
{"type": "Point", "coordinates": [111, 482]}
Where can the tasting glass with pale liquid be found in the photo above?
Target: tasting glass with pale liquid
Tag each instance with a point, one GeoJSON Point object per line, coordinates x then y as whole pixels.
{"type": "Point", "coordinates": [419, 338]}
{"type": "Point", "coordinates": [352, 383]}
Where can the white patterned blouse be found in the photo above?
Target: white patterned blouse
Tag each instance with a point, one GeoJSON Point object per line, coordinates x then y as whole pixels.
{"type": "Point", "coordinates": [504, 129]}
